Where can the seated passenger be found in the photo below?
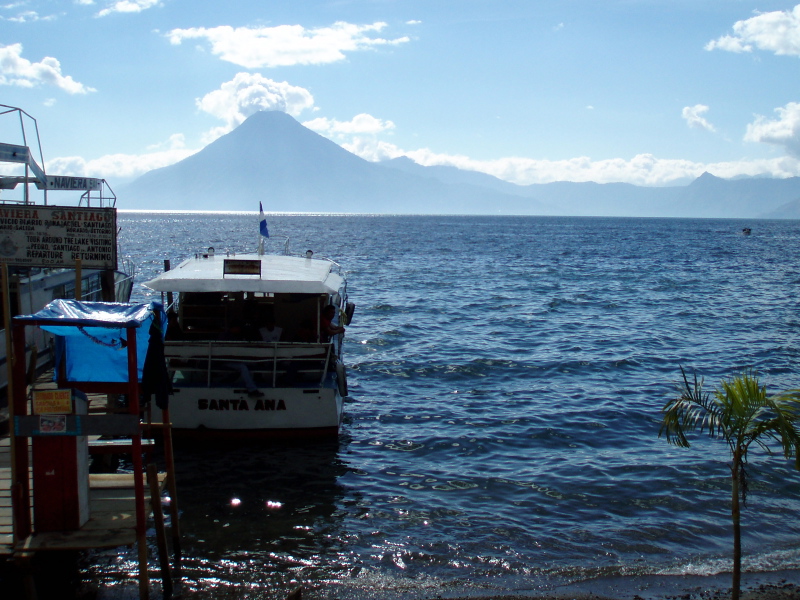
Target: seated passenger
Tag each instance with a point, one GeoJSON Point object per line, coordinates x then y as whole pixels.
{"type": "Point", "coordinates": [270, 332]}
{"type": "Point", "coordinates": [234, 332]}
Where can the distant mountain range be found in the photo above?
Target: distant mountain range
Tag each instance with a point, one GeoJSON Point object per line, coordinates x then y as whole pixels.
{"type": "Point", "coordinates": [273, 159]}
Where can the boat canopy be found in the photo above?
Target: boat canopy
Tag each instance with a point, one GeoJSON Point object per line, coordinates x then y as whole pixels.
{"type": "Point", "coordinates": [91, 336]}
{"type": "Point", "coordinates": [250, 273]}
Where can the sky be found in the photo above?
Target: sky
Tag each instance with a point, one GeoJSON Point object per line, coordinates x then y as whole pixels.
{"type": "Point", "coordinates": [649, 92]}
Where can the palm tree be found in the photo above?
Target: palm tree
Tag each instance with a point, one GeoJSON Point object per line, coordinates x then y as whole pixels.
{"type": "Point", "coordinates": [740, 413]}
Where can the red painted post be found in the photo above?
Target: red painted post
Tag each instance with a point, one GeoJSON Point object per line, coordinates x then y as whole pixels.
{"type": "Point", "coordinates": [22, 490]}
{"type": "Point", "coordinates": [138, 470]}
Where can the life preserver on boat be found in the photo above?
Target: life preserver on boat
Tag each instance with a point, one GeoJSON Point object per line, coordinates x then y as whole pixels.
{"type": "Point", "coordinates": [341, 378]}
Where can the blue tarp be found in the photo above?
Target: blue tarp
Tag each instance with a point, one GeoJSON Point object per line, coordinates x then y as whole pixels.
{"type": "Point", "coordinates": [92, 336]}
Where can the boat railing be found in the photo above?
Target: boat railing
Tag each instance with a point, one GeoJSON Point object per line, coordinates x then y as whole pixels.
{"type": "Point", "coordinates": [27, 157]}
{"type": "Point", "coordinates": [123, 282]}
{"type": "Point", "coordinates": [104, 196]}
{"type": "Point", "coordinates": [287, 252]}
{"type": "Point", "coordinates": [272, 363]}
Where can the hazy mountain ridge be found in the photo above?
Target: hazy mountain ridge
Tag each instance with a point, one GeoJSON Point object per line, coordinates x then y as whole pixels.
{"type": "Point", "coordinates": [271, 158]}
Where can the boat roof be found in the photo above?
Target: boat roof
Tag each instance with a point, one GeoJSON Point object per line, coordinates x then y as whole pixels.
{"type": "Point", "coordinates": [250, 273]}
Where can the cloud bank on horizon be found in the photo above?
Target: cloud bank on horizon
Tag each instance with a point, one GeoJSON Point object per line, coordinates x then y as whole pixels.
{"type": "Point", "coordinates": [327, 57]}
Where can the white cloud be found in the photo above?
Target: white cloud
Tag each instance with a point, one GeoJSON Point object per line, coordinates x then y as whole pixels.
{"type": "Point", "coordinates": [286, 45]}
{"type": "Point", "coordinates": [121, 166]}
{"type": "Point", "coordinates": [248, 93]}
{"type": "Point", "coordinates": [783, 131]}
{"type": "Point", "coordinates": [693, 117]}
{"type": "Point", "coordinates": [643, 169]}
{"type": "Point", "coordinates": [177, 141]}
{"type": "Point", "coordinates": [29, 16]}
{"type": "Point", "coordinates": [126, 6]}
{"type": "Point", "coordinates": [15, 70]}
{"type": "Point", "coordinates": [729, 43]}
{"type": "Point", "coordinates": [777, 31]}
{"type": "Point", "coordinates": [372, 149]}
{"type": "Point", "coordinates": [360, 124]}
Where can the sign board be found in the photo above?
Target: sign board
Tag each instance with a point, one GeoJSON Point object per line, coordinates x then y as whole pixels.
{"type": "Point", "coordinates": [240, 266]}
{"type": "Point", "coordinates": [53, 424]}
{"type": "Point", "coordinates": [56, 236]}
{"type": "Point", "coordinates": [59, 182]}
{"type": "Point", "coordinates": [52, 402]}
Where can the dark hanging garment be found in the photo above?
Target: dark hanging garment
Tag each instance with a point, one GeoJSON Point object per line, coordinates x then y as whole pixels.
{"type": "Point", "coordinates": [155, 376]}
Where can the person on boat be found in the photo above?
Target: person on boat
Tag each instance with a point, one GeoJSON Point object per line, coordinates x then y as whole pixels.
{"type": "Point", "coordinates": [174, 329]}
{"type": "Point", "coordinates": [235, 333]}
{"type": "Point", "coordinates": [327, 328]}
{"type": "Point", "coordinates": [270, 332]}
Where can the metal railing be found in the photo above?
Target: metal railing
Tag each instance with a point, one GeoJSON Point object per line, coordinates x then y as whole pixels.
{"type": "Point", "coordinates": [289, 363]}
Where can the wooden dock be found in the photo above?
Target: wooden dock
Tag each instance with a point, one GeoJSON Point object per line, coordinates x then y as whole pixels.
{"type": "Point", "coordinates": [112, 519]}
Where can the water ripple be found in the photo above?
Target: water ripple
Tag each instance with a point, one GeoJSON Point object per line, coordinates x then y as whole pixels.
{"type": "Point", "coordinates": [507, 377]}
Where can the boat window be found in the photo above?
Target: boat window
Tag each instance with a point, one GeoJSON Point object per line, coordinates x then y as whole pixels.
{"type": "Point", "coordinates": [298, 315]}
{"type": "Point", "coordinates": [207, 315]}
{"type": "Point", "coordinates": [200, 314]}
{"type": "Point", "coordinates": [91, 289]}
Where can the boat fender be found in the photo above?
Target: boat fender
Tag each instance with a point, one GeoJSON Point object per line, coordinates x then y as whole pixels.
{"type": "Point", "coordinates": [349, 309]}
{"type": "Point", "coordinates": [341, 378]}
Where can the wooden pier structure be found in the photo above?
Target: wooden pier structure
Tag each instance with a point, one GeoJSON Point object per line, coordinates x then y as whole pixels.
{"type": "Point", "coordinates": [104, 510]}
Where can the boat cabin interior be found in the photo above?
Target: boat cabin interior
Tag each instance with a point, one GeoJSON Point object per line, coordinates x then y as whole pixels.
{"type": "Point", "coordinates": [241, 316]}
{"type": "Point", "coordinates": [211, 332]}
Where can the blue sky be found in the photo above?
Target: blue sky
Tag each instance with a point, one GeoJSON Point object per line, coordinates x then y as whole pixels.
{"type": "Point", "coordinates": [651, 92]}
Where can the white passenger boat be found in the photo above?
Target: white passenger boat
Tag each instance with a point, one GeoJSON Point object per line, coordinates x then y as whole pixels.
{"type": "Point", "coordinates": [250, 348]}
{"type": "Point", "coordinates": [40, 239]}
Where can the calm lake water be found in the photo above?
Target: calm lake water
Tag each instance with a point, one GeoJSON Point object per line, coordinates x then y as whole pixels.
{"type": "Point", "coordinates": [506, 377]}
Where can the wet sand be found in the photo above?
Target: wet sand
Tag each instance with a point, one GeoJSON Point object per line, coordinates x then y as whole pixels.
{"type": "Point", "coordinates": [781, 585]}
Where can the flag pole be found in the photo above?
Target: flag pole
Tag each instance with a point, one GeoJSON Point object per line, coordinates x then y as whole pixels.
{"type": "Point", "coordinates": [262, 229]}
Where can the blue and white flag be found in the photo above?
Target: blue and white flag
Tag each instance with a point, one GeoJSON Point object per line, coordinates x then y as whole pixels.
{"type": "Point", "coordinates": [262, 226]}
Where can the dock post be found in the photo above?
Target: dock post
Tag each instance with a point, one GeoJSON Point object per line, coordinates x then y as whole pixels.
{"type": "Point", "coordinates": [138, 470]}
{"type": "Point", "coordinates": [18, 406]}
{"type": "Point", "coordinates": [172, 487]}
{"type": "Point", "coordinates": [78, 279]}
{"type": "Point", "coordinates": [161, 534]}
{"type": "Point", "coordinates": [169, 294]}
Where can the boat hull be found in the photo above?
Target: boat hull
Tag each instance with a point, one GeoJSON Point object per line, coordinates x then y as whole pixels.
{"type": "Point", "coordinates": [232, 412]}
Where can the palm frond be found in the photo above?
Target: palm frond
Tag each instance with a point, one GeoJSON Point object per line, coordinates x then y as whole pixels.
{"type": "Point", "coordinates": [692, 410]}
{"type": "Point", "coordinates": [739, 411]}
